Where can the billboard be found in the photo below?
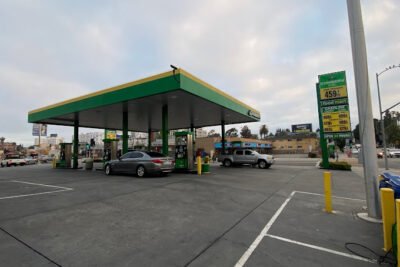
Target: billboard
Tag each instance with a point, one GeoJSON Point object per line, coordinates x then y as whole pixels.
{"type": "Point", "coordinates": [333, 104]}
{"type": "Point", "coordinates": [302, 128]}
{"type": "Point", "coordinates": [38, 128]}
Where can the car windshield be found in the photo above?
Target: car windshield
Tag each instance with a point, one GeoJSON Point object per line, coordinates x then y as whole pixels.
{"type": "Point", "coordinates": [155, 154]}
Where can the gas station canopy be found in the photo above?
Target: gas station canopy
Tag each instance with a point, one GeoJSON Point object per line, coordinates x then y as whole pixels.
{"type": "Point", "coordinates": [191, 102]}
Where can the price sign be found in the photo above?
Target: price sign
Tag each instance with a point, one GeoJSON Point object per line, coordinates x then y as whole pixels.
{"type": "Point", "coordinates": [334, 92]}
{"type": "Point", "coordinates": [333, 105]}
{"type": "Point", "coordinates": [336, 119]}
{"type": "Point", "coordinates": [332, 85]}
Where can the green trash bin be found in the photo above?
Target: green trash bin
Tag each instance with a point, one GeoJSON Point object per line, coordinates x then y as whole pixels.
{"type": "Point", "coordinates": [205, 168]}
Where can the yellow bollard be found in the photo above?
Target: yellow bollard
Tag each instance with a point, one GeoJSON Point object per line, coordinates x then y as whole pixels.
{"type": "Point", "coordinates": [388, 216]}
{"type": "Point", "coordinates": [198, 165]}
{"type": "Point", "coordinates": [328, 192]}
{"type": "Point", "coordinates": [398, 227]}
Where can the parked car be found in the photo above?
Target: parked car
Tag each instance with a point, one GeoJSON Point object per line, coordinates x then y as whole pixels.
{"type": "Point", "coordinates": [247, 156]}
{"type": "Point", "coordinates": [12, 160]}
{"type": "Point", "coordinates": [31, 160]}
{"type": "Point", "coordinates": [393, 153]}
{"type": "Point", "coordinates": [140, 163]}
{"type": "Point", "coordinates": [45, 159]}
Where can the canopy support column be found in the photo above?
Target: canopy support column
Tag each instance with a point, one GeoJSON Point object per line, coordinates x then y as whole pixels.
{"type": "Point", "coordinates": [223, 137]}
{"type": "Point", "coordinates": [164, 130]}
{"type": "Point", "coordinates": [124, 132]}
{"type": "Point", "coordinates": [193, 130]}
{"type": "Point", "coordinates": [149, 140]}
{"type": "Point", "coordinates": [75, 143]}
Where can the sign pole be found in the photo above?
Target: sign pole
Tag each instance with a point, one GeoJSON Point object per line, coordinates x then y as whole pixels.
{"type": "Point", "coordinates": [322, 140]}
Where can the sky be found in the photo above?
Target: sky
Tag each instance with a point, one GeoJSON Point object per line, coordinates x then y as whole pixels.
{"type": "Point", "coordinates": [266, 53]}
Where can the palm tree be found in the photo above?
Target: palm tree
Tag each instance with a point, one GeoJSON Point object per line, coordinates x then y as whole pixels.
{"type": "Point", "coordinates": [263, 131]}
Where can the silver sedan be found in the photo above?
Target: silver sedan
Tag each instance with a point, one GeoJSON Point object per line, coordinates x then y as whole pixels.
{"type": "Point", "coordinates": [140, 163]}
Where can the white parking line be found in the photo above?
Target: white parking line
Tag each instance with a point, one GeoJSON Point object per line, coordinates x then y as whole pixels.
{"type": "Point", "coordinates": [321, 248]}
{"type": "Point", "coordinates": [264, 231]}
{"type": "Point", "coordinates": [63, 189]}
{"type": "Point", "coordinates": [316, 194]}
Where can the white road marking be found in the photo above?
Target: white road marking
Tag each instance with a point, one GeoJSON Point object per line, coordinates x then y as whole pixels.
{"type": "Point", "coordinates": [316, 194]}
{"type": "Point", "coordinates": [63, 189]}
{"type": "Point", "coordinates": [264, 231]}
{"type": "Point", "coordinates": [54, 186]}
{"type": "Point", "coordinates": [321, 248]}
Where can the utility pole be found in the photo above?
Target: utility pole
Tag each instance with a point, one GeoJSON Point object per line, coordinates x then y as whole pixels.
{"type": "Point", "coordinates": [382, 125]}
{"type": "Point", "coordinates": [367, 135]}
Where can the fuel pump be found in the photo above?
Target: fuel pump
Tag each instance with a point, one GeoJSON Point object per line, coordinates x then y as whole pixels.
{"type": "Point", "coordinates": [110, 149]}
{"type": "Point", "coordinates": [184, 150]}
{"type": "Point", "coordinates": [65, 155]}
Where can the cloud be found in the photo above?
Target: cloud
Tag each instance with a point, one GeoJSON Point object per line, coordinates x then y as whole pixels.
{"type": "Point", "coordinates": [266, 53]}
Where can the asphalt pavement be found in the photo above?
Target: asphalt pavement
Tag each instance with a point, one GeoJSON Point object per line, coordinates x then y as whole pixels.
{"type": "Point", "coordinates": [239, 216]}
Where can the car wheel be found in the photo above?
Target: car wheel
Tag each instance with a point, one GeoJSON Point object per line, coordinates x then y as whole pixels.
{"type": "Point", "coordinates": [262, 164]}
{"type": "Point", "coordinates": [108, 170]}
{"type": "Point", "coordinates": [227, 163]}
{"type": "Point", "coordinates": [140, 171]}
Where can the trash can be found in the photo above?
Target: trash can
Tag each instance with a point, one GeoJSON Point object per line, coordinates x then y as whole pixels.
{"type": "Point", "coordinates": [89, 164]}
{"type": "Point", "coordinates": [392, 181]}
{"type": "Point", "coordinates": [205, 168]}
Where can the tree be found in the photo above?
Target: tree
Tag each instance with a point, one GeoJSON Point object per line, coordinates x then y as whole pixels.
{"type": "Point", "coordinates": [245, 132]}
{"type": "Point", "coordinates": [340, 142]}
{"type": "Point", "coordinates": [392, 129]}
{"type": "Point", "coordinates": [212, 133]}
{"type": "Point", "coordinates": [232, 132]}
{"type": "Point", "coordinates": [281, 132]}
{"type": "Point", "coordinates": [263, 131]}
{"type": "Point", "coordinates": [356, 132]}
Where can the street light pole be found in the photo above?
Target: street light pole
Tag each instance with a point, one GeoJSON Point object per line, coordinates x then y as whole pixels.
{"type": "Point", "coordinates": [380, 113]}
{"type": "Point", "coordinates": [382, 124]}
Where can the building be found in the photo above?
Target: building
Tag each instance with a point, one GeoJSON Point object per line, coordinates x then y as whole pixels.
{"type": "Point", "coordinates": [292, 143]}
{"type": "Point", "coordinates": [7, 147]}
{"type": "Point", "coordinates": [301, 143]}
{"type": "Point", "coordinates": [46, 141]}
{"type": "Point", "coordinates": [201, 133]}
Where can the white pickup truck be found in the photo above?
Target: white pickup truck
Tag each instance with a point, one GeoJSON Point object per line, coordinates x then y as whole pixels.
{"type": "Point", "coordinates": [12, 160]}
{"type": "Point", "coordinates": [247, 156]}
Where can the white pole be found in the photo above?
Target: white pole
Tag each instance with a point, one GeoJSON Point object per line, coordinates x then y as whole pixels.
{"type": "Point", "coordinates": [367, 132]}
{"type": "Point", "coordinates": [382, 124]}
